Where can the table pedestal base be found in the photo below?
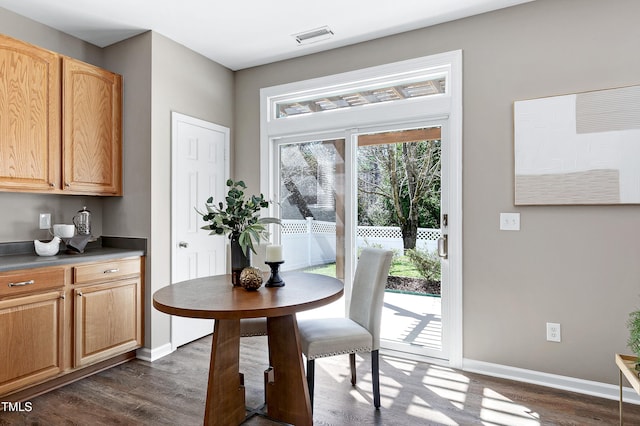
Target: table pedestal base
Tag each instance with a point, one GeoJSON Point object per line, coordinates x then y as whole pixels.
{"type": "Point", "coordinates": [225, 391]}
{"type": "Point", "coordinates": [287, 390]}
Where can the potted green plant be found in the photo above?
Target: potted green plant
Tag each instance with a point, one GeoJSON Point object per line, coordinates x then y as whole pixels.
{"type": "Point", "coordinates": [633, 324]}
{"type": "Point", "coordinates": [240, 220]}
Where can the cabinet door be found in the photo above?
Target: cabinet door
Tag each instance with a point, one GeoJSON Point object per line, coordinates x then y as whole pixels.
{"type": "Point", "coordinates": [92, 129]}
{"type": "Point", "coordinates": [29, 117]}
{"type": "Point", "coordinates": [30, 339]}
{"type": "Point", "coordinates": [108, 320]}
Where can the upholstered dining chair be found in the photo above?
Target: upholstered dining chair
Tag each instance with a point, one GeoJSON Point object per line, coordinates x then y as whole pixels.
{"type": "Point", "coordinates": [250, 327]}
{"type": "Point", "coordinates": [360, 330]}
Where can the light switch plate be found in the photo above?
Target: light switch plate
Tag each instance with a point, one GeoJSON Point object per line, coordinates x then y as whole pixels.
{"type": "Point", "coordinates": [45, 220]}
{"type": "Point", "coordinates": [509, 221]}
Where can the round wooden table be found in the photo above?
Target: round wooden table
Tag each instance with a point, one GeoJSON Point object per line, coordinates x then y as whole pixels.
{"type": "Point", "coordinates": [214, 297]}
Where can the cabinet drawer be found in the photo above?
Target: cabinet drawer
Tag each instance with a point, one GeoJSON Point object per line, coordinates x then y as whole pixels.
{"type": "Point", "coordinates": [106, 271]}
{"type": "Point", "coordinates": [30, 281]}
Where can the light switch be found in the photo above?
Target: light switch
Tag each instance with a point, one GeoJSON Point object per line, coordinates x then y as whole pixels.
{"type": "Point", "coordinates": [45, 220]}
{"type": "Point", "coordinates": [509, 221]}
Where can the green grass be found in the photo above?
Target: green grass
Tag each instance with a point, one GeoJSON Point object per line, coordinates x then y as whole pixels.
{"type": "Point", "coordinates": [328, 269]}
{"type": "Point", "coordinates": [401, 266]}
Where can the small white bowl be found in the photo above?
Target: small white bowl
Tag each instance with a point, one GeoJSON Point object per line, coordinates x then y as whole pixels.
{"type": "Point", "coordinates": [63, 231]}
{"type": "Point", "coordinates": [47, 249]}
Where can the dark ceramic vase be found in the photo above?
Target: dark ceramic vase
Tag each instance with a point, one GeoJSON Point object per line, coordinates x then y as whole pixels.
{"type": "Point", "coordinates": [239, 260]}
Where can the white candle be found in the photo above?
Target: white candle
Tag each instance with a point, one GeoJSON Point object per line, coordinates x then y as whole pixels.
{"type": "Point", "coordinates": [274, 253]}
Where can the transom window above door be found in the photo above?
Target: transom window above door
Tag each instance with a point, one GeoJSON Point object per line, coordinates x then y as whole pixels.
{"type": "Point", "coordinates": [365, 93]}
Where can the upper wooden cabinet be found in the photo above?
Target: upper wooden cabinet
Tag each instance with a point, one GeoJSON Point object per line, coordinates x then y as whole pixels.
{"type": "Point", "coordinates": [29, 117]}
{"type": "Point", "coordinates": [92, 128]}
{"type": "Point", "coordinates": [60, 123]}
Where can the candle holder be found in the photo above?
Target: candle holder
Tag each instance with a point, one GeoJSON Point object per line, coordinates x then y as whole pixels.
{"type": "Point", "coordinates": [275, 280]}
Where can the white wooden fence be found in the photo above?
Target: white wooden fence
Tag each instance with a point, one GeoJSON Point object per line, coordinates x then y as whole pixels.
{"type": "Point", "coordinates": [310, 242]}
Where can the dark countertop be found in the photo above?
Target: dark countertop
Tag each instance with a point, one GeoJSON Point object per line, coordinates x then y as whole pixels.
{"type": "Point", "coordinates": [22, 255]}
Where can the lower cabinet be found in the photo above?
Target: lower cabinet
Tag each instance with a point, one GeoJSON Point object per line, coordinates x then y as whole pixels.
{"type": "Point", "coordinates": [31, 339]}
{"type": "Point", "coordinates": [107, 320]}
{"type": "Point", "coordinates": [56, 321]}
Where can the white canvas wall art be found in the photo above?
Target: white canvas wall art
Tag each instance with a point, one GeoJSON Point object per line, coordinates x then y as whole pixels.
{"type": "Point", "coordinates": [578, 149]}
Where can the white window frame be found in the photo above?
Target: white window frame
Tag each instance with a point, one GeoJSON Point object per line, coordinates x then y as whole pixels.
{"type": "Point", "coordinates": [445, 106]}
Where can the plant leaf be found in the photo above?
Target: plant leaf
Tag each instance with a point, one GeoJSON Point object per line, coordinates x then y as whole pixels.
{"type": "Point", "coordinates": [274, 220]}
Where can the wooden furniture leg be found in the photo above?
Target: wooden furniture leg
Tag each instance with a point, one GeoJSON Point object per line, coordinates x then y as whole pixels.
{"type": "Point", "coordinates": [288, 393]}
{"type": "Point", "coordinates": [225, 391]}
{"type": "Point", "coordinates": [311, 374]}
{"type": "Point", "coordinates": [620, 399]}
{"type": "Point", "coordinates": [352, 366]}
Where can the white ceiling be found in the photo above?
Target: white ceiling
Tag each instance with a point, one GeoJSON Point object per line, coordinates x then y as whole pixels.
{"type": "Point", "coordinates": [244, 33]}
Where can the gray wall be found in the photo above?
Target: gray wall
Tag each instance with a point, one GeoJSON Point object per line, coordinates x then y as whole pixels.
{"type": "Point", "coordinates": [19, 211]}
{"type": "Point", "coordinates": [574, 265]}
{"type": "Point", "coordinates": [130, 215]}
{"type": "Point", "coordinates": [159, 76]}
{"type": "Point", "coordinates": [185, 82]}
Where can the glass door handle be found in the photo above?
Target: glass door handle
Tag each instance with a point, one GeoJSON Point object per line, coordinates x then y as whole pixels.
{"type": "Point", "coordinates": [443, 246]}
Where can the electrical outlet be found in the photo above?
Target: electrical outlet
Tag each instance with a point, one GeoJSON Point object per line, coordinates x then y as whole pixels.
{"type": "Point", "coordinates": [45, 220]}
{"type": "Point", "coordinates": [553, 332]}
{"type": "Point", "coordinates": [509, 221]}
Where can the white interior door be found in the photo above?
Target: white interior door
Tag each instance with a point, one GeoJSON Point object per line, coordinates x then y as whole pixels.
{"type": "Point", "coordinates": [199, 171]}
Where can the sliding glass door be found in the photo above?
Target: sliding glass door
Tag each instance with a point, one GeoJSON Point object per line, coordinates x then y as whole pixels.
{"type": "Point", "coordinates": [311, 205]}
{"type": "Point", "coordinates": [392, 180]}
{"type": "Point", "coordinates": [399, 193]}
{"type": "Point", "coordinates": [323, 145]}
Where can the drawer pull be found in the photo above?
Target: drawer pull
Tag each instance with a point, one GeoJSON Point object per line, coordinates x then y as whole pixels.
{"type": "Point", "coordinates": [22, 283]}
{"type": "Point", "coordinates": [111, 271]}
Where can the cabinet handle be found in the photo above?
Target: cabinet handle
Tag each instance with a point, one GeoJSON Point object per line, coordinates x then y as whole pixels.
{"type": "Point", "coordinates": [111, 271]}
{"type": "Point", "coordinates": [22, 283]}
{"type": "Point", "coordinates": [62, 296]}
{"type": "Point", "coordinates": [67, 184]}
{"type": "Point", "coordinates": [80, 293]}
{"type": "Point", "coordinates": [51, 184]}
{"type": "Point", "coordinates": [443, 246]}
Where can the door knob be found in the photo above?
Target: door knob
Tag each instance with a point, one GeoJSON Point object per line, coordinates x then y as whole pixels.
{"type": "Point", "coordinates": [183, 244]}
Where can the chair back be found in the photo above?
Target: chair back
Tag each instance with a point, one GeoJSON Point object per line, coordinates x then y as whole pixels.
{"type": "Point", "coordinates": [367, 294]}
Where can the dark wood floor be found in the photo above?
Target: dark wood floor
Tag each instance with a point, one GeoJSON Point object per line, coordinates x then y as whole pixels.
{"type": "Point", "coordinates": [171, 391]}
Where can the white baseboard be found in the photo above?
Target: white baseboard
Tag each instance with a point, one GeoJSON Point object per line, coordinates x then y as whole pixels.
{"type": "Point", "coordinates": [588, 387]}
{"type": "Point", "coordinates": [151, 355]}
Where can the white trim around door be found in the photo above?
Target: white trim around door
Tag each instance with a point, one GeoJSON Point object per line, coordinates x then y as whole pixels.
{"type": "Point", "coordinates": [443, 106]}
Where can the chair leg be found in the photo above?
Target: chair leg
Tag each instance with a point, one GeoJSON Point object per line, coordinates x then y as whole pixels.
{"type": "Point", "coordinates": [311, 369]}
{"type": "Point", "coordinates": [352, 364]}
{"type": "Point", "coordinates": [375, 373]}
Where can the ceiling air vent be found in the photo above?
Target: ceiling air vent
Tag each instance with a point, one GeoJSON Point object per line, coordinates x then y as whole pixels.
{"type": "Point", "coordinates": [312, 36]}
